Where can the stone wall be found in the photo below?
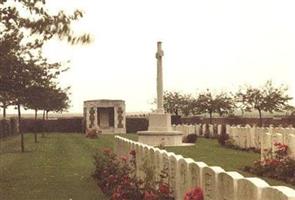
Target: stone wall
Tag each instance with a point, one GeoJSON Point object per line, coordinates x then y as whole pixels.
{"type": "Point", "coordinates": [185, 173]}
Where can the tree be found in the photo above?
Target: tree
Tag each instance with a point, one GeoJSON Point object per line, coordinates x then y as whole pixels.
{"type": "Point", "coordinates": [57, 100]}
{"type": "Point", "coordinates": [267, 98]}
{"type": "Point", "coordinates": [206, 102]}
{"type": "Point", "coordinates": [27, 25]}
{"type": "Point", "coordinates": [177, 103]}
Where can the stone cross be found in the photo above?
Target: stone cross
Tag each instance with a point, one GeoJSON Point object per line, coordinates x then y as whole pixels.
{"type": "Point", "coordinates": [159, 55]}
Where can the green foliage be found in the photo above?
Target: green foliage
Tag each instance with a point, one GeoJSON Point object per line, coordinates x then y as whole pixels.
{"type": "Point", "coordinates": [278, 165]}
{"type": "Point", "coordinates": [267, 98]}
{"type": "Point", "coordinates": [117, 178]}
{"type": "Point", "coordinates": [190, 138]}
{"type": "Point", "coordinates": [177, 103]}
{"type": "Point", "coordinates": [220, 103]}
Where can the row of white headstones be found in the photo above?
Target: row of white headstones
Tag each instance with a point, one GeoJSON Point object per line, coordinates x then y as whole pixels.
{"type": "Point", "coordinates": [248, 137]}
{"type": "Point", "coordinates": [198, 129]}
{"type": "Point", "coordinates": [185, 174]}
{"type": "Point", "coordinates": [263, 138]}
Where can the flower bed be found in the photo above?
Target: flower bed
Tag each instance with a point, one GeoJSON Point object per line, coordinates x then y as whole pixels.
{"type": "Point", "coordinates": [117, 178]}
{"type": "Point", "coordinates": [277, 165]}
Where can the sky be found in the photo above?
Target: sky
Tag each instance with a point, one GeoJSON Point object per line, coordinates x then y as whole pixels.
{"type": "Point", "coordinates": [207, 44]}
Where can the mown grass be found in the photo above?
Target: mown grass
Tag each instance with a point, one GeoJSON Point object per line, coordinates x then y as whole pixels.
{"type": "Point", "coordinates": [59, 166]}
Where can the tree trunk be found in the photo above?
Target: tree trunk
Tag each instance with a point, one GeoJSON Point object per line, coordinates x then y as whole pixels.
{"type": "Point", "coordinates": [4, 112]}
{"type": "Point", "coordinates": [47, 111]}
{"type": "Point", "coordinates": [260, 117]}
{"type": "Point", "coordinates": [36, 114]}
{"type": "Point", "coordinates": [43, 124]}
{"type": "Point", "coordinates": [20, 129]}
{"type": "Point", "coordinates": [35, 131]}
{"type": "Point", "coordinates": [210, 114]}
{"type": "Point", "coordinates": [243, 112]}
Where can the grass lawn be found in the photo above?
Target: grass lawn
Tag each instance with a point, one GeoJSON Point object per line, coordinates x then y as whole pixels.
{"type": "Point", "coordinates": [59, 166]}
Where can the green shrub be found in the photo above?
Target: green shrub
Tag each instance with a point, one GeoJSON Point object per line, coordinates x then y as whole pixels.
{"type": "Point", "coordinates": [191, 138]}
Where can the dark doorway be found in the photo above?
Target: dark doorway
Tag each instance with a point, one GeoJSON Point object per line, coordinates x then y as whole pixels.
{"type": "Point", "coordinates": [105, 117]}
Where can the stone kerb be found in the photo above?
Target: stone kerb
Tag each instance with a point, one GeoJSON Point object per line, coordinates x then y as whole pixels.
{"type": "Point", "coordinates": [210, 177]}
{"type": "Point", "coordinates": [278, 193]}
{"type": "Point", "coordinates": [227, 185]}
{"type": "Point", "coordinates": [250, 188]}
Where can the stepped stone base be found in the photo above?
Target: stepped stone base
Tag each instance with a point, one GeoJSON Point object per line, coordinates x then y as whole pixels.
{"type": "Point", "coordinates": [156, 138]}
{"type": "Point", "coordinates": [160, 131]}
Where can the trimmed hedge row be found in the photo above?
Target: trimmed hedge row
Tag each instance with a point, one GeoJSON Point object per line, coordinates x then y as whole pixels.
{"type": "Point", "coordinates": [8, 127]}
{"type": "Point", "coordinates": [64, 125]}
{"type": "Point", "coordinates": [134, 124]}
{"type": "Point", "coordinates": [284, 121]}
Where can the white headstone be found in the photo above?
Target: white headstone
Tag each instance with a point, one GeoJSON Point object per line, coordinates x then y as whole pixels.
{"type": "Point", "coordinates": [278, 193]}
{"type": "Point", "coordinates": [195, 171]}
{"type": "Point", "coordinates": [210, 182]}
{"type": "Point", "coordinates": [291, 146]}
{"type": "Point", "coordinates": [250, 188]}
{"type": "Point", "coordinates": [266, 145]}
{"type": "Point", "coordinates": [227, 185]}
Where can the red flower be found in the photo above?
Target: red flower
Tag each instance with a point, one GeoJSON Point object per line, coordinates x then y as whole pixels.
{"type": "Point", "coordinates": [194, 194]}
{"type": "Point", "coordinates": [164, 188]}
{"type": "Point", "coordinates": [124, 158]}
{"type": "Point", "coordinates": [132, 152]}
{"type": "Point", "coordinates": [149, 196]}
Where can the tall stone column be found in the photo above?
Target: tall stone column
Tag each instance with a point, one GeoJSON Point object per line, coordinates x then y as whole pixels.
{"type": "Point", "coordinates": [159, 55]}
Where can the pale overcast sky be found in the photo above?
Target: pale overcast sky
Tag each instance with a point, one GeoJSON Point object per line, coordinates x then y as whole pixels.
{"type": "Point", "coordinates": [217, 44]}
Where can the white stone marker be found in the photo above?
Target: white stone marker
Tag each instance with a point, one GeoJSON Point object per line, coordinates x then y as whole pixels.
{"type": "Point", "coordinates": [210, 182]}
{"type": "Point", "coordinates": [158, 163]}
{"type": "Point", "coordinates": [250, 188]}
{"type": "Point", "coordinates": [276, 138]}
{"type": "Point", "coordinates": [291, 145]}
{"type": "Point", "coordinates": [197, 127]}
{"type": "Point", "coordinates": [165, 165]}
{"type": "Point", "coordinates": [211, 131]}
{"type": "Point", "coordinates": [195, 170]}
{"type": "Point", "coordinates": [278, 193]}
{"type": "Point", "coordinates": [173, 161]}
{"type": "Point", "coordinates": [266, 145]}
{"type": "Point", "coordinates": [181, 177]}
{"type": "Point", "coordinates": [219, 127]}
{"type": "Point", "coordinates": [227, 185]}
